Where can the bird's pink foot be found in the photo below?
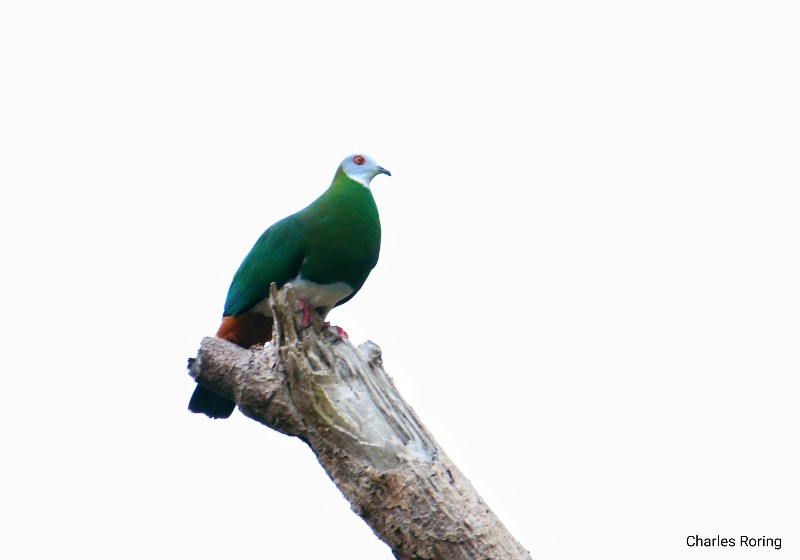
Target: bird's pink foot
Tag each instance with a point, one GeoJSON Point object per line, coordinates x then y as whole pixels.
{"type": "Point", "coordinates": [340, 332]}
{"type": "Point", "coordinates": [306, 321]}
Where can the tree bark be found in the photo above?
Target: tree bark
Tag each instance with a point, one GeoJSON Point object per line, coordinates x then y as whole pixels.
{"type": "Point", "coordinates": [337, 398]}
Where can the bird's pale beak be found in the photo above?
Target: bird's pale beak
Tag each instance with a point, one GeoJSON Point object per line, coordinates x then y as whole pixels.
{"type": "Point", "coordinates": [384, 171]}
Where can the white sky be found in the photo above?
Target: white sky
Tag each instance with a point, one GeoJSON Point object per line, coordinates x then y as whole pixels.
{"type": "Point", "coordinates": [588, 286]}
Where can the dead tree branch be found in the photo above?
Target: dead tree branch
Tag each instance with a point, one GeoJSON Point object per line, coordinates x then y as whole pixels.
{"type": "Point", "coordinates": [339, 400]}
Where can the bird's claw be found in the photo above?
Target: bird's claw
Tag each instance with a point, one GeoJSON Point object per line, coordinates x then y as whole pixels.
{"type": "Point", "coordinates": [340, 332]}
{"type": "Point", "coordinates": [305, 322]}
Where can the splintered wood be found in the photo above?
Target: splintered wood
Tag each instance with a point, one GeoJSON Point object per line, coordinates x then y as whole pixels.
{"type": "Point", "coordinates": [314, 385]}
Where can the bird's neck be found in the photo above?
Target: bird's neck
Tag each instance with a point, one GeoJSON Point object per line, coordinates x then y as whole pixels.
{"type": "Point", "coordinates": [346, 203]}
{"type": "Point", "coordinates": [342, 179]}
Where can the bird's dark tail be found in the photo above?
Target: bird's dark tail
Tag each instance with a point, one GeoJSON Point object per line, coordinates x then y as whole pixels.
{"type": "Point", "coordinates": [210, 403]}
{"type": "Point", "coordinates": [246, 330]}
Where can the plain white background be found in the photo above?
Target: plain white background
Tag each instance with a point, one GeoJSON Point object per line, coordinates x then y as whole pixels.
{"type": "Point", "coordinates": [588, 286]}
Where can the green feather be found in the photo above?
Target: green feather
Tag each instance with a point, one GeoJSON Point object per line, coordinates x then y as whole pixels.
{"type": "Point", "coordinates": [334, 239]}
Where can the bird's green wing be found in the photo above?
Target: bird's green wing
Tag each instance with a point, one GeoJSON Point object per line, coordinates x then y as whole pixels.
{"type": "Point", "coordinates": [276, 257]}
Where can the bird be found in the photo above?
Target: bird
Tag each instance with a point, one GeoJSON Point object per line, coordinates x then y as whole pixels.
{"type": "Point", "coordinates": [325, 252]}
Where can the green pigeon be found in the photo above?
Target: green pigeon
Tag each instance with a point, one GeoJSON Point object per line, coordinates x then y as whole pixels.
{"type": "Point", "coordinates": [325, 252]}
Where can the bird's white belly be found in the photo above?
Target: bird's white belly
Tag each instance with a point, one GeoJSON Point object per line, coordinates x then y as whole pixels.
{"type": "Point", "coordinates": [320, 295]}
{"type": "Point", "coordinates": [315, 295]}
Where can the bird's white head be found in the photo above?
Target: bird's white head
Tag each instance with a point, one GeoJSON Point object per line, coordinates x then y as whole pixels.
{"type": "Point", "coordinates": [362, 168]}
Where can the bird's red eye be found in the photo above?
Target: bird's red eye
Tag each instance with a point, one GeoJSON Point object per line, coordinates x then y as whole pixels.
{"type": "Point", "coordinates": [359, 160]}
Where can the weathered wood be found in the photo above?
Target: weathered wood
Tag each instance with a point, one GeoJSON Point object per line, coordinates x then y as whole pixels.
{"type": "Point", "coordinates": [337, 398]}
